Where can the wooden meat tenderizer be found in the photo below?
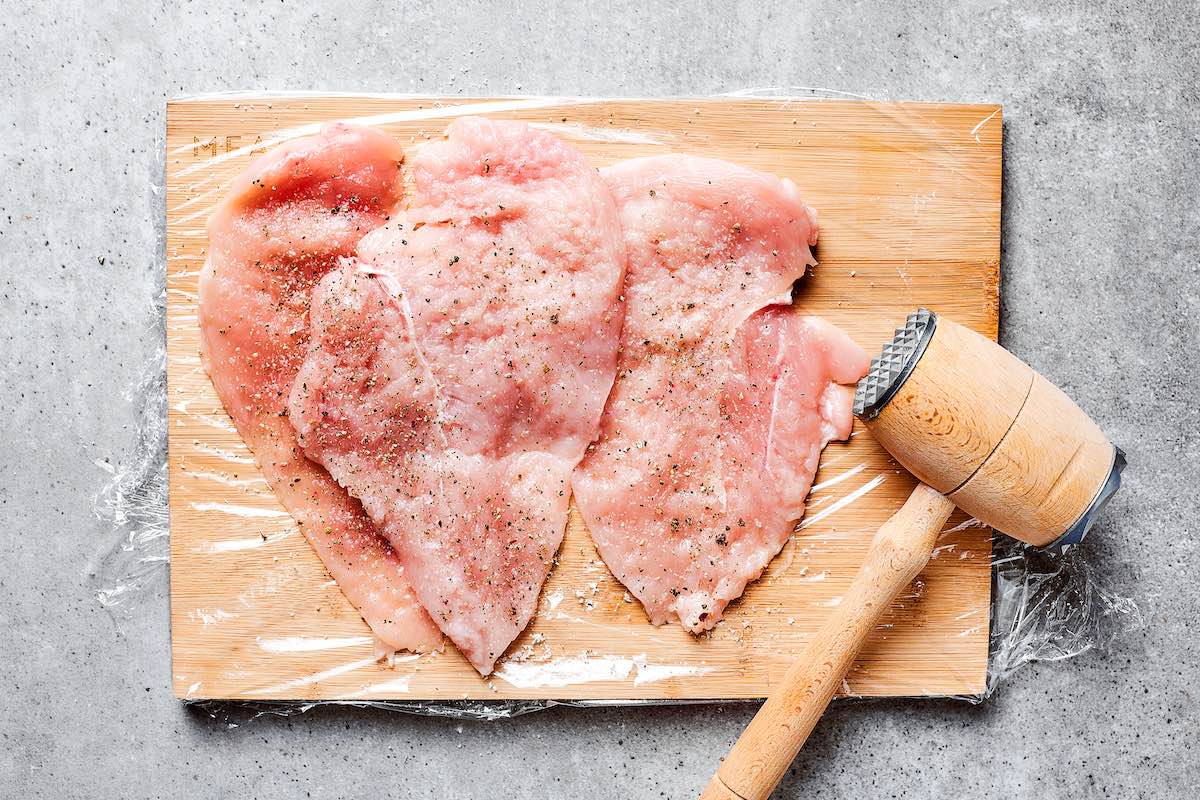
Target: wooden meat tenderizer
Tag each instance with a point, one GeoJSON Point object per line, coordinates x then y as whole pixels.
{"type": "Point", "coordinates": [982, 431]}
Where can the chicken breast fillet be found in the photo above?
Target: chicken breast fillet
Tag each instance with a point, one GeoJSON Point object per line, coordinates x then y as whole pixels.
{"type": "Point", "coordinates": [723, 401]}
{"type": "Point", "coordinates": [284, 224]}
{"type": "Point", "coordinates": [459, 369]}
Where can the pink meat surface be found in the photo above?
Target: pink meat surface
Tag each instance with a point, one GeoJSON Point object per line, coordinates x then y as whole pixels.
{"type": "Point", "coordinates": [283, 226]}
{"type": "Point", "coordinates": [723, 401]}
{"type": "Point", "coordinates": [458, 372]}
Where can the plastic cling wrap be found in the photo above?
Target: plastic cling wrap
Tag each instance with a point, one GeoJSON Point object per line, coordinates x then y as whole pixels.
{"type": "Point", "coordinates": [909, 201]}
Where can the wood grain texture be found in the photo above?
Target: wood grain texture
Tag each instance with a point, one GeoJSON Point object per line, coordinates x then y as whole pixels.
{"type": "Point", "coordinates": [955, 407]}
{"type": "Point", "coordinates": [1045, 473]}
{"type": "Point", "coordinates": [898, 552]}
{"type": "Point", "coordinates": [909, 200]}
{"type": "Point", "coordinates": [978, 424]}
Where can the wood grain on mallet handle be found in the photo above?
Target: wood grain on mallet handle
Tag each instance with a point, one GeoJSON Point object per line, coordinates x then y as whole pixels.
{"type": "Point", "coordinates": [899, 551]}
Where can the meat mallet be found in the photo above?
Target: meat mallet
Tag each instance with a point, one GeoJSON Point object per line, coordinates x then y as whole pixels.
{"type": "Point", "coordinates": [981, 431]}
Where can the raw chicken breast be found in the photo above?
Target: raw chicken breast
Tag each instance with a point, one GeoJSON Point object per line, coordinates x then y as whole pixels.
{"type": "Point", "coordinates": [459, 371]}
{"type": "Point", "coordinates": [722, 402]}
{"type": "Point", "coordinates": [283, 226]}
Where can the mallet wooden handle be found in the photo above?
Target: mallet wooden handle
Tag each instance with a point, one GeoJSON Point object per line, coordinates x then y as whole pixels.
{"type": "Point", "coordinates": [899, 551]}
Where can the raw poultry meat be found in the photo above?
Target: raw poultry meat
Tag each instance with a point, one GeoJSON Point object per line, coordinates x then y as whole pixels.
{"type": "Point", "coordinates": [284, 224]}
{"type": "Point", "coordinates": [459, 370]}
{"type": "Point", "coordinates": [723, 402]}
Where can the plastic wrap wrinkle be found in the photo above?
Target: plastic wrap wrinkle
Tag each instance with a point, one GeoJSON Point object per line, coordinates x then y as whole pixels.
{"type": "Point", "coordinates": [438, 112]}
{"type": "Point", "coordinates": [132, 499]}
{"type": "Point", "coordinates": [560, 672]}
{"type": "Point", "coordinates": [838, 505]}
{"type": "Point", "coordinates": [1045, 606]}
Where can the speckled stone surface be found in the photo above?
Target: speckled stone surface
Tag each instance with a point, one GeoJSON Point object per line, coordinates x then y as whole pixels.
{"type": "Point", "coordinates": [1101, 293]}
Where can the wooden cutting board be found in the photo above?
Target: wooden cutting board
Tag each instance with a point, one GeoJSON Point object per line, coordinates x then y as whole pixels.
{"type": "Point", "coordinates": [909, 200]}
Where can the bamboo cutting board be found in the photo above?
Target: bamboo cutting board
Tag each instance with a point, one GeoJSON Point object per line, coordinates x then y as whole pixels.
{"type": "Point", "coordinates": [909, 200]}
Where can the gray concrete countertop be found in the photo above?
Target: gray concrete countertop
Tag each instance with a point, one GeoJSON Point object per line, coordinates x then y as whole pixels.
{"type": "Point", "coordinates": [1101, 293]}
